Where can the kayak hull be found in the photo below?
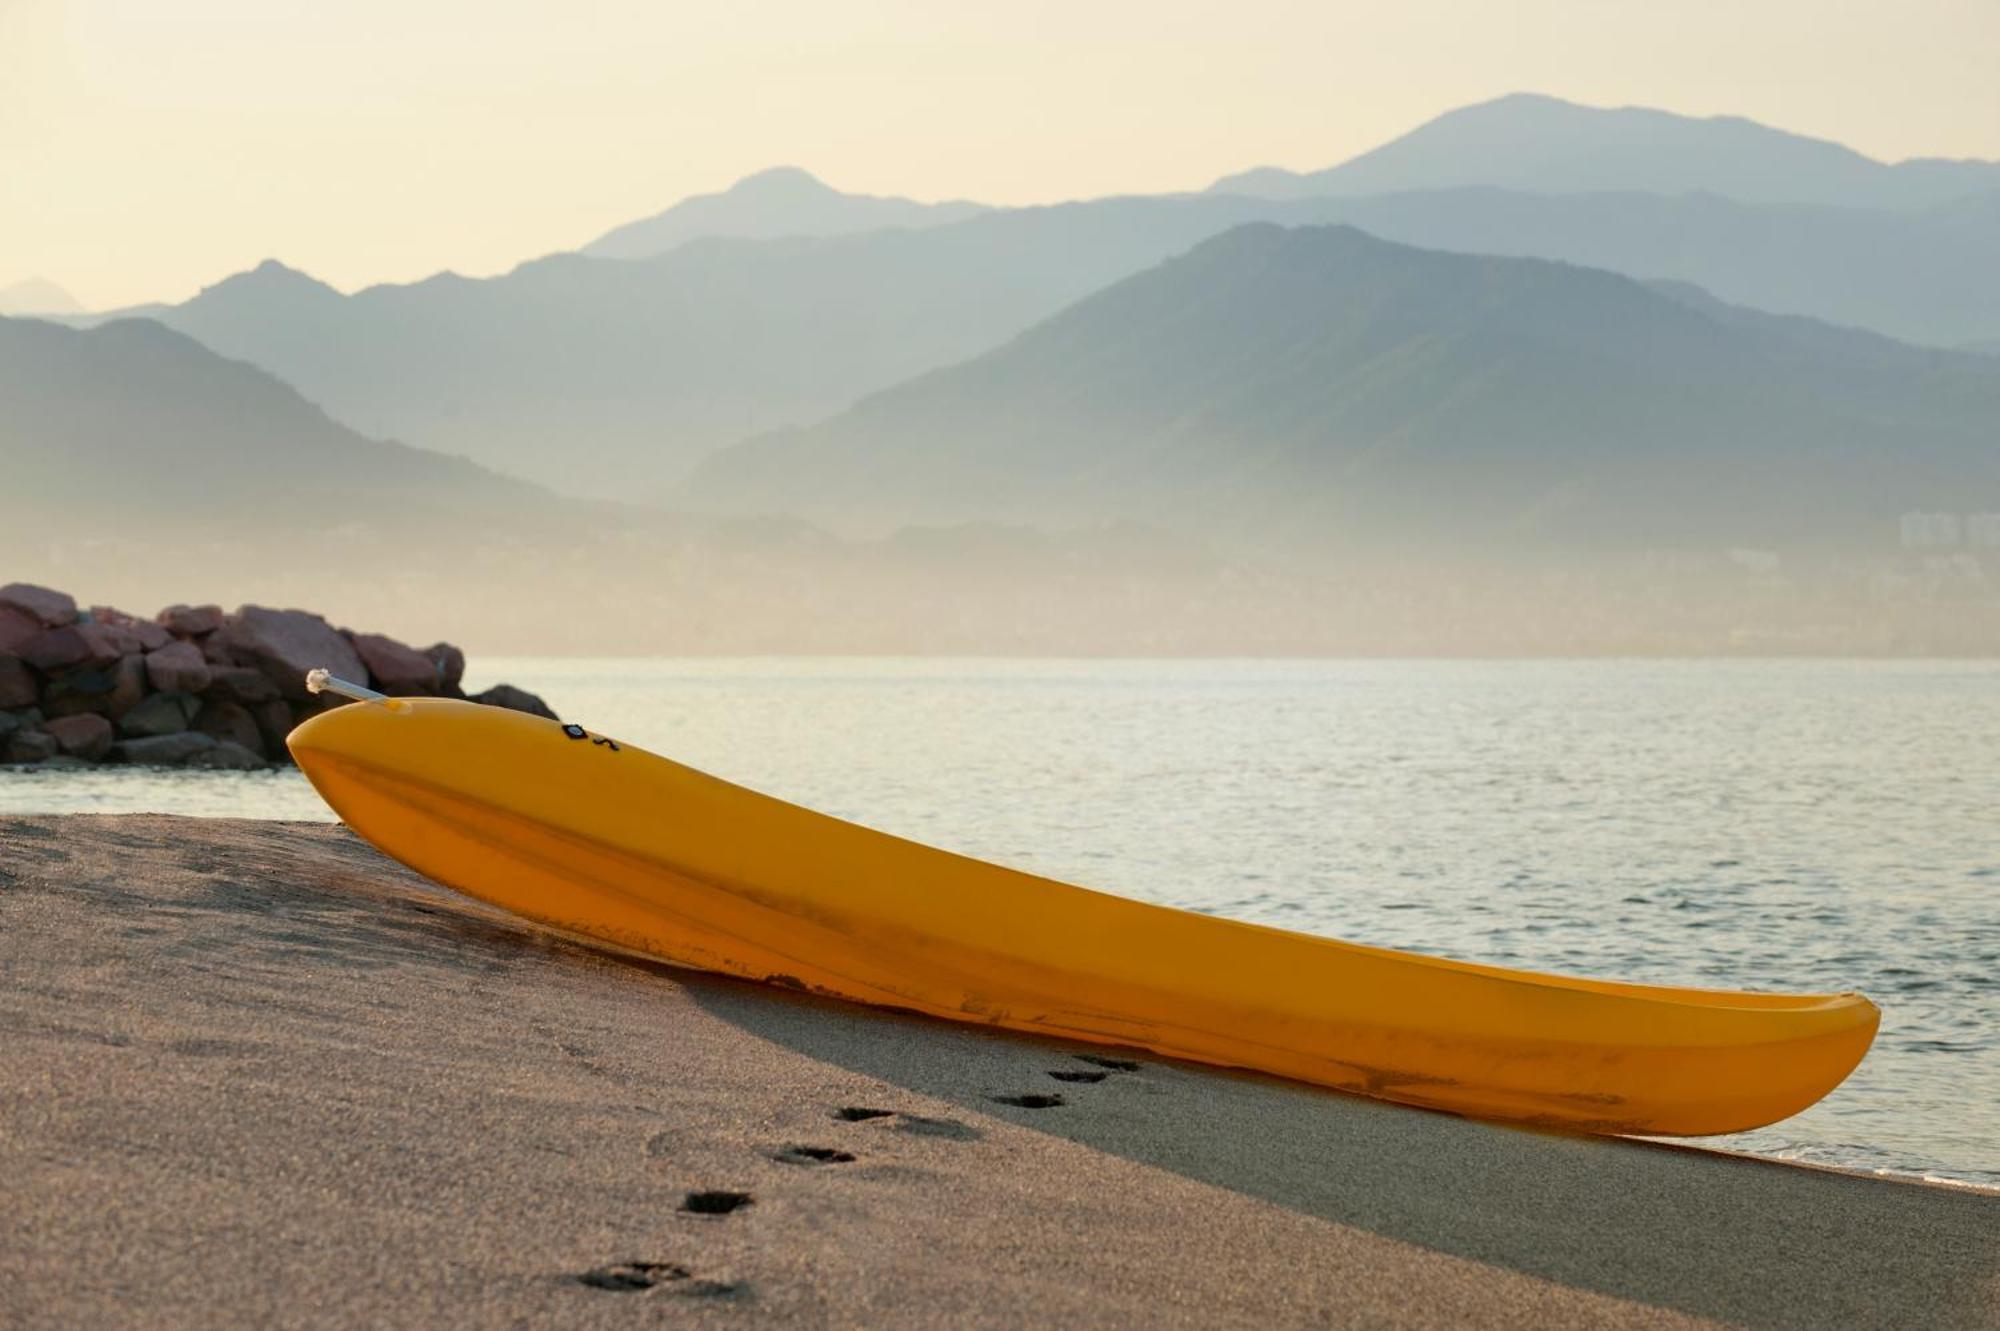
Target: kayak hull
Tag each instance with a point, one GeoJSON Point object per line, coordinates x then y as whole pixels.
{"type": "Point", "coordinates": [602, 840]}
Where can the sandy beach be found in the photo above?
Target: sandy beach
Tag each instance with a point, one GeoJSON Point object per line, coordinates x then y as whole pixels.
{"type": "Point", "coordinates": [255, 1074]}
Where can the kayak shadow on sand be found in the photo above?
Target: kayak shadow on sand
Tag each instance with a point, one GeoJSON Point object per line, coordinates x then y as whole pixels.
{"type": "Point", "coordinates": [1742, 1240]}
{"type": "Point", "coordinates": [1746, 1241]}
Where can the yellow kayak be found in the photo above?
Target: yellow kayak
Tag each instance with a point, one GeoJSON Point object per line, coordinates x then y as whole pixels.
{"type": "Point", "coordinates": [597, 838]}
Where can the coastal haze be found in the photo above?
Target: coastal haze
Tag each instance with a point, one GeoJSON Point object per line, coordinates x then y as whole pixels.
{"type": "Point", "coordinates": [1532, 377]}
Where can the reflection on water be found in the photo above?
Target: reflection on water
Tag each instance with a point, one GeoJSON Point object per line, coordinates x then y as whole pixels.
{"type": "Point", "coordinates": [1780, 825]}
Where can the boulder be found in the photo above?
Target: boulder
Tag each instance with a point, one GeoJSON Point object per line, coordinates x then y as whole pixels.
{"type": "Point", "coordinates": [178, 667]}
{"type": "Point", "coordinates": [149, 636]}
{"type": "Point", "coordinates": [117, 635]}
{"type": "Point", "coordinates": [190, 621]}
{"type": "Point", "coordinates": [54, 649]}
{"type": "Point", "coordinates": [227, 757]}
{"type": "Point", "coordinates": [397, 670]}
{"type": "Point", "coordinates": [514, 700]}
{"type": "Point", "coordinates": [449, 662]}
{"type": "Point", "coordinates": [83, 689]}
{"type": "Point", "coordinates": [9, 723]}
{"type": "Point", "coordinates": [164, 750]}
{"type": "Point", "coordinates": [30, 746]}
{"type": "Point", "coordinates": [159, 714]}
{"type": "Point", "coordinates": [274, 722]}
{"type": "Point", "coordinates": [128, 687]}
{"type": "Point", "coordinates": [230, 723]}
{"type": "Point", "coordinates": [240, 684]}
{"type": "Point", "coordinates": [17, 686]}
{"type": "Point", "coordinates": [284, 644]}
{"type": "Point", "coordinates": [215, 650]}
{"type": "Point", "coordinates": [62, 762]}
{"type": "Point", "coordinates": [16, 627]}
{"type": "Point", "coordinates": [86, 736]}
{"type": "Point", "coordinates": [50, 609]}
{"type": "Point", "coordinates": [72, 645]}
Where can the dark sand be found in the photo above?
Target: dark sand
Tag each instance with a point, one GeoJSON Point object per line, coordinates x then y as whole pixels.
{"type": "Point", "coordinates": [253, 1073]}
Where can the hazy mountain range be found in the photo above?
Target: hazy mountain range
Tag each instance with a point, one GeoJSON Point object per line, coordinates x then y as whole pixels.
{"type": "Point", "coordinates": [1544, 145]}
{"type": "Point", "coordinates": [613, 377]}
{"type": "Point", "coordinates": [1562, 342]}
{"type": "Point", "coordinates": [142, 424]}
{"type": "Point", "coordinates": [782, 301]}
{"type": "Point", "coordinates": [783, 201]}
{"type": "Point", "coordinates": [1319, 388]}
{"type": "Point", "coordinates": [142, 469]}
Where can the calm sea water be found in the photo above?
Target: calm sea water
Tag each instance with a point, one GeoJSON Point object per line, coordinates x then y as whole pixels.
{"type": "Point", "coordinates": [1779, 825]}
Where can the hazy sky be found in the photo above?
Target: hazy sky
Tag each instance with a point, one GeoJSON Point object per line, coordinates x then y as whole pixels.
{"type": "Point", "coordinates": [148, 147]}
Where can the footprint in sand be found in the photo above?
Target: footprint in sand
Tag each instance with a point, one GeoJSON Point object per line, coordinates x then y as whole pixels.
{"type": "Point", "coordinates": [631, 1277]}
{"type": "Point", "coordinates": [917, 1125]}
{"type": "Point", "coordinates": [813, 1155]}
{"type": "Point", "coordinates": [1109, 1064]}
{"type": "Point", "coordinates": [1029, 1101]}
{"type": "Point", "coordinates": [638, 1277]}
{"type": "Point", "coordinates": [715, 1201]}
{"type": "Point", "coordinates": [949, 1128]}
{"type": "Point", "coordinates": [1077, 1075]}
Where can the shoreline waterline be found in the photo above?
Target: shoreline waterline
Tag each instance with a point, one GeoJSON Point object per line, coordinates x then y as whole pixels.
{"type": "Point", "coordinates": [1789, 826]}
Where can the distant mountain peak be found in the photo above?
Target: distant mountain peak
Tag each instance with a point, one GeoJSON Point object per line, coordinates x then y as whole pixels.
{"type": "Point", "coordinates": [785, 177]}
{"type": "Point", "coordinates": [777, 201]}
{"type": "Point", "coordinates": [1534, 142]}
{"type": "Point", "coordinates": [271, 270]}
{"type": "Point", "coordinates": [37, 295]}
{"type": "Point", "coordinates": [272, 277]}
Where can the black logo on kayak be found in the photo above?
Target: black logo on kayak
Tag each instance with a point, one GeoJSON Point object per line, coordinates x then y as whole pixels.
{"type": "Point", "coordinates": [575, 731]}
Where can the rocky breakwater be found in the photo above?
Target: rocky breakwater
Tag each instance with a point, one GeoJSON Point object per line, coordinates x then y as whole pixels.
{"type": "Point", "coordinates": [192, 686]}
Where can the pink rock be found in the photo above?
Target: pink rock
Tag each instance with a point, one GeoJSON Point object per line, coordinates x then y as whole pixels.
{"type": "Point", "coordinates": [450, 663]}
{"type": "Point", "coordinates": [73, 646]}
{"type": "Point", "coordinates": [29, 746]}
{"type": "Point", "coordinates": [178, 667]}
{"type": "Point", "coordinates": [84, 689]}
{"type": "Point", "coordinates": [150, 636]}
{"type": "Point", "coordinates": [397, 670]}
{"type": "Point", "coordinates": [54, 649]}
{"type": "Point", "coordinates": [240, 684]}
{"type": "Point", "coordinates": [16, 627]}
{"type": "Point", "coordinates": [51, 609]}
{"type": "Point", "coordinates": [191, 621]}
{"type": "Point", "coordinates": [17, 686]}
{"type": "Point", "coordinates": [129, 684]}
{"type": "Point", "coordinates": [274, 722]}
{"type": "Point", "coordinates": [160, 714]}
{"type": "Point", "coordinates": [230, 723]}
{"type": "Point", "coordinates": [170, 750]}
{"type": "Point", "coordinates": [119, 636]}
{"type": "Point", "coordinates": [515, 700]}
{"type": "Point", "coordinates": [85, 735]}
{"type": "Point", "coordinates": [284, 644]}
{"type": "Point", "coordinates": [228, 756]}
